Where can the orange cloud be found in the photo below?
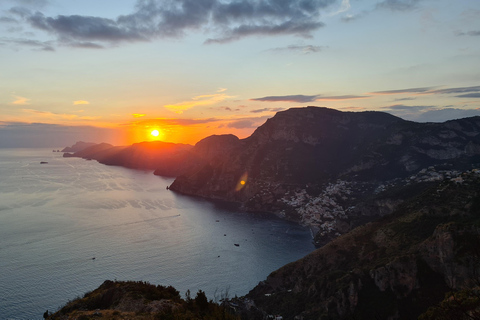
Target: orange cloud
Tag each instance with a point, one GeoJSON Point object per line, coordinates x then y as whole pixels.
{"type": "Point", "coordinates": [80, 102]}
{"type": "Point", "coordinates": [202, 100]}
{"type": "Point", "coordinates": [21, 101]}
{"type": "Point", "coordinates": [138, 115]}
{"type": "Point", "coordinates": [51, 116]}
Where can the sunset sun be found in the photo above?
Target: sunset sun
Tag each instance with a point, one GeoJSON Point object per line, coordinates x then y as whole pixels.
{"type": "Point", "coordinates": [155, 133]}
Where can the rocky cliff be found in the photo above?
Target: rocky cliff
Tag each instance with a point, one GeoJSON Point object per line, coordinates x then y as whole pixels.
{"type": "Point", "coordinates": [394, 268]}
{"type": "Point", "coordinates": [330, 169]}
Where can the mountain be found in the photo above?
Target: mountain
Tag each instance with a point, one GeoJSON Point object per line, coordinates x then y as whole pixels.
{"type": "Point", "coordinates": [398, 267]}
{"type": "Point", "coordinates": [329, 169]}
{"type": "Point", "coordinates": [145, 155]}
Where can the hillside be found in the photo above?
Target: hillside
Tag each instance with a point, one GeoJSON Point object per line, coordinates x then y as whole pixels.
{"type": "Point", "coordinates": [394, 268]}
{"type": "Point", "coordinates": [139, 301]}
{"type": "Point", "coordinates": [329, 169]}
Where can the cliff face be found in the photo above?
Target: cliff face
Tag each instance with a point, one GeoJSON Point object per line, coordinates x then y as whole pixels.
{"type": "Point", "coordinates": [319, 166]}
{"type": "Point", "coordinates": [394, 268]}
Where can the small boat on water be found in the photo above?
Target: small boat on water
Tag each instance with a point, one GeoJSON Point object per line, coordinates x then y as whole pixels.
{"type": "Point", "coordinates": [43, 162]}
{"type": "Point", "coordinates": [237, 245]}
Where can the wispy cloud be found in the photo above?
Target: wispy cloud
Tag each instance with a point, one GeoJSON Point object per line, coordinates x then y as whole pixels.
{"type": "Point", "coordinates": [344, 97]}
{"type": "Point", "coordinates": [456, 90]}
{"type": "Point", "coordinates": [430, 113]}
{"type": "Point", "coordinates": [138, 115]}
{"type": "Point", "coordinates": [345, 6]}
{"type": "Point", "coordinates": [398, 5]}
{"type": "Point", "coordinates": [405, 99]}
{"type": "Point", "coordinates": [291, 98]}
{"type": "Point", "coordinates": [241, 124]}
{"type": "Point", "coordinates": [304, 98]}
{"type": "Point", "coordinates": [469, 95]}
{"type": "Point", "coordinates": [53, 116]}
{"type": "Point", "coordinates": [77, 102]}
{"type": "Point", "coordinates": [304, 49]}
{"type": "Point", "coordinates": [22, 101]}
{"type": "Point", "coordinates": [401, 91]}
{"type": "Point", "coordinates": [34, 44]}
{"type": "Point", "coordinates": [229, 20]}
{"type": "Point", "coordinates": [203, 100]}
{"type": "Point", "coordinates": [267, 110]}
{"type": "Point", "coordinates": [472, 33]}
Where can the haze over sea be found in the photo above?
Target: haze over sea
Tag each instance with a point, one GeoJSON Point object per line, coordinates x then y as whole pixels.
{"type": "Point", "coordinates": [56, 217]}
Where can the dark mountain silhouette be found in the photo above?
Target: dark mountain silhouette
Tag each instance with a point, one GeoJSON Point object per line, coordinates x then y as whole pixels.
{"type": "Point", "coordinates": [144, 155]}
{"type": "Point", "coordinates": [327, 168]}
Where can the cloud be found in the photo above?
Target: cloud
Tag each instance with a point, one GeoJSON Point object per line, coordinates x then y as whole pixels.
{"type": "Point", "coordinates": [172, 122]}
{"type": "Point", "coordinates": [405, 99]}
{"type": "Point", "coordinates": [228, 20]}
{"type": "Point", "coordinates": [305, 49]}
{"type": "Point", "coordinates": [138, 115]}
{"type": "Point", "coordinates": [242, 124]}
{"type": "Point", "coordinates": [398, 5]}
{"type": "Point", "coordinates": [8, 20]}
{"type": "Point", "coordinates": [473, 33]}
{"type": "Point", "coordinates": [77, 102]}
{"type": "Point", "coordinates": [52, 116]}
{"type": "Point", "coordinates": [445, 114]}
{"type": "Point", "coordinates": [401, 91]}
{"type": "Point", "coordinates": [267, 110]}
{"type": "Point", "coordinates": [21, 101]}
{"type": "Point", "coordinates": [456, 90]}
{"type": "Point", "coordinates": [430, 90]}
{"type": "Point", "coordinates": [352, 17]}
{"type": "Point", "coordinates": [469, 95]}
{"type": "Point", "coordinates": [303, 98]}
{"type": "Point", "coordinates": [203, 100]}
{"type": "Point", "coordinates": [344, 97]}
{"type": "Point", "coordinates": [345, 6]}
{"type": "Point", "coordinates": [292, 98]}
{"type": "Point", "coordinates": [430, 113]}
{"type": "Point", "coordinates": [41, 45]}
{"type": "Point", "coordinates": [409, 108]}
{"type": "Point", "coordinates": [35, 4]}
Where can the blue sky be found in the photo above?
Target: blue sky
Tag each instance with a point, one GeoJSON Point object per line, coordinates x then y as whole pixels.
{"type": "Point", "coordinates": [198, 67]}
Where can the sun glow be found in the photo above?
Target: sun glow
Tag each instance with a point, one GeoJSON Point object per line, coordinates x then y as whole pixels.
{"type": "Point", "coordinates": [155, 133]}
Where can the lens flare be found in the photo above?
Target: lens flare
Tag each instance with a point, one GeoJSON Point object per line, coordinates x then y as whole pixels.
{"type": "Point", "coordinates": [242, 182]}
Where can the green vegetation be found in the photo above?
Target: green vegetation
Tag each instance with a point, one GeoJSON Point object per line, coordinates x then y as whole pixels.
{"type": "Point", "coordinates": [140, 301]}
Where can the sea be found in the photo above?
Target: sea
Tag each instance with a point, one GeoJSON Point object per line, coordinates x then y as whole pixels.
{"type": "Point", "coordinates": [69, 224]}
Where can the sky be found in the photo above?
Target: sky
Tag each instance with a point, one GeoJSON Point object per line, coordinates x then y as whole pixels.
{"type": "Point", "coordinates": [114, 70]}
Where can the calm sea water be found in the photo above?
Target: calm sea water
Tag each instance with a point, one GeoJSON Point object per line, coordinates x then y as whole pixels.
{"type": "Point", "coordinates": [56, 217]}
